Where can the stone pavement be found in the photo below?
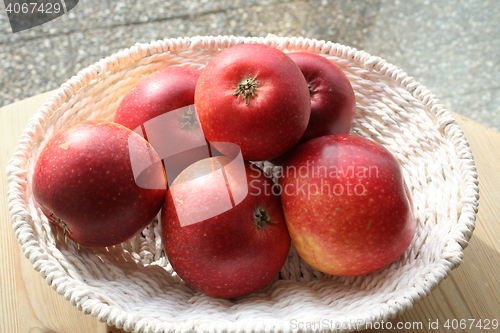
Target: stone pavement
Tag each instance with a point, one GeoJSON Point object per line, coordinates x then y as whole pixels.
{"type": "Point", "coordinates": [452, 47]}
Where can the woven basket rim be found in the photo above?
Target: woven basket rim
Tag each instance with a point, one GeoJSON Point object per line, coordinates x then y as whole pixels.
{"type": "Point", "coordinates": [16, 173]}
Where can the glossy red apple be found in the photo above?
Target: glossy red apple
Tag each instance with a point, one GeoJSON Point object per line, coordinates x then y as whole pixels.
{"type": "Point", "coordinates": [161, 109]}
{"type": "Point", "coordinates": [100, 181]}
{"type": "Point", "coordinates": [223, 229]}
{"type": "Point", "coordinates": [333, 102]}
{"type": "Point", "coordinates": [168, 89]}
{"type": "Point", "coordinates": [255, 96]}
{"type": "Point", "coordinates": [346, 204]}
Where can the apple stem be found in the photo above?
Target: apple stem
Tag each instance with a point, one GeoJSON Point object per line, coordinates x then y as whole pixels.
{"type": "Point", "coordinates": [60, 222]}
{"type": "Point", "coordinates": [262, 218]}
{"type": "Point", "coordinates": [189, 118]}
{"type": "Point", "coordinates": [311, 89]}
{"type": "Point", "coordinates": [247, 89]}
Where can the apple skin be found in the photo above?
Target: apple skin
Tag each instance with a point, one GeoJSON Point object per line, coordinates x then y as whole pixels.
{"type": "Point", "coordinates": [264, 124]}
{"type": "Point", "coordinates": [333, 102]}
{"type": "Point", "coordinates": [161, 109]}
{"type": "Point", "coordinates": [166, 90]}
{"type": "Point", "coordinates": [347, 206]}
{"type": "Point", "coordinates": [84, 182]}
{"type": "Point", "coordinates": [227, 255]}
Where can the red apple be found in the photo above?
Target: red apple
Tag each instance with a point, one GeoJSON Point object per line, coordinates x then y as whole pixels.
{"type": "Point", "coordinates": [223, 229]}
{"type": "Point", "coordinates": [100, 181]}
{"type": "Point", "coordinates": [169, 89]}
{"type": "Point", "coordinates": [333, 102]}
{"type": "Point", "coordinates": [255, 96]}
{"type": "Point", "coordinates": [346, 204]}
{"type": "Point", "coordinates": [161, 109]}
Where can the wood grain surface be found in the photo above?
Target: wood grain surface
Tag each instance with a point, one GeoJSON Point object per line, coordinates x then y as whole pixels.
{"type": "Point", "coordinates": [471, 293]}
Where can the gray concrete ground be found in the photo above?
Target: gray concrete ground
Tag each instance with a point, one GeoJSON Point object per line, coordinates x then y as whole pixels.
{"type": "Point", "coordinates": [452, 47]}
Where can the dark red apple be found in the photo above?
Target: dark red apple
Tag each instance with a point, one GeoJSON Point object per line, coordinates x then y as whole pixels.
{"type": "Point", "coordinates": [333, 102]}
{"type": "Point", "coordinates": [100, 181]}
{"type": "Point", "coordinates": [346, 204]}
{"type": "Point", "coordinates": [161, 109]}
{"type": "Point", "coordinates": [255, 96]}
{"type": "Point", "coordinates": [223, 229]}
{"type": "Point", "coordinates": [169, 89]}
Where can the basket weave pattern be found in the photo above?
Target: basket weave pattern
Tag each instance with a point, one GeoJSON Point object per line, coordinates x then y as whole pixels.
{"type": "Point", "coordinates": [132, 285]}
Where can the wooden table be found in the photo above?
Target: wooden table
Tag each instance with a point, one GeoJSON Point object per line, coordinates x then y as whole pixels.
{"type": "Point", "coordinates": [471, 292]}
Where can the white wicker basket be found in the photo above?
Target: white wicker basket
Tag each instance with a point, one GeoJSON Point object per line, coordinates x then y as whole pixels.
{"type": "Point", "coordinates": [132, 286]}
